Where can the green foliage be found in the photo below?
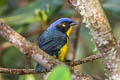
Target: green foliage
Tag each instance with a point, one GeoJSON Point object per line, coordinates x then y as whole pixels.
{"type": "Point", "coordinates": [113, 5]}
{"type": "Point", "coordinates": [88, 40]}
{"type": "Point", "coordinates": [60, 73]}
{"type": "Point", "coordinates": [67, 13]}
{"type": "Point", "coordinates": [112, 9]}
{"type": "Point", "coordinates": [2, 7]}
{"type": "Point", "coordinates": [10, 58]}
{"type": "Point", "coordinates": [2, 2]}
{"type": "Point", "coordinates": [44, 8]}
{"type": "Point", "coordinates": [42, 15]}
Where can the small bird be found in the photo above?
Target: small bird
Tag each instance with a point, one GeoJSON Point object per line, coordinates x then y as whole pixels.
{"type": "Point", "coordinates": [55, 40]}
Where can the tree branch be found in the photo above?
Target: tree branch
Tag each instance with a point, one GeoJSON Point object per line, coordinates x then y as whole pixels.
{"type": "Point", "coordinates": [27, 35]}
{"type": "Point", "coordinates": [31, 71]}
{"type": "Point", "coordinates": [95, 19]}
{"type": "Point", "coordinates": [17, 71]}
{"type": "Point", "coordinates": [5, 45]}
{"type": "Point", "coordinates": [87, 59]}
{"type": "Point", "coordinates": [36, 53]}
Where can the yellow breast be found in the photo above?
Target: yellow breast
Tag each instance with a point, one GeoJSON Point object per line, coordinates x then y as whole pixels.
{"type": "Point", "coordinates": [63, 50]}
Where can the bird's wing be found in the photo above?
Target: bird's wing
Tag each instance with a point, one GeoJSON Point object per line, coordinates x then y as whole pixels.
{"type": "Point", "coordinates": [52, 44]}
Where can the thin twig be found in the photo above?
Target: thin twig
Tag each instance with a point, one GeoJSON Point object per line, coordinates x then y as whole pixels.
{"type": "Point", "coordinates": [87, 59]}
{"type": "Point", "coordinates": [17, 71]}
{"type": "Point", "coordinates": [5, 45]}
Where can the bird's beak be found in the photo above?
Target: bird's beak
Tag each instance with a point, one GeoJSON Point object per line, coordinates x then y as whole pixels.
{"type": "Point", "coordinates": [73, 23]}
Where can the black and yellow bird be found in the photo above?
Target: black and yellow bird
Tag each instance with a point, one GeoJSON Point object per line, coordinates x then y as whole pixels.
{"type": "Point", "coordinates": [55, 40]}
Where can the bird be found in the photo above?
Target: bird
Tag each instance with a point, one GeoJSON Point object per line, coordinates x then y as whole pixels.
{"type": "Point", "coordinates": [54, 41]}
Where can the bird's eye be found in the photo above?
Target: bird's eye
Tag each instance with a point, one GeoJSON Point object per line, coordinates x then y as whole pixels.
{"type": "Point", "coordinates": [63, 25]}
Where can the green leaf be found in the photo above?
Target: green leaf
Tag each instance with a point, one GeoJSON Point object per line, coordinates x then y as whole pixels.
{"type": "Point", "coordinates": [27, 77]}
{"type": "Point", "coordinates": [60, 73]}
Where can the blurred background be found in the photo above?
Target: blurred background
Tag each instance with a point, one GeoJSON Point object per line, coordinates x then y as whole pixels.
{"type": "Point", "coordinates": [31, 17]}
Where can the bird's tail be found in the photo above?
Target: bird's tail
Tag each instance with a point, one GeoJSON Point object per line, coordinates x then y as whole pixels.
{"type": "Point", "coordinates": [39, 68]}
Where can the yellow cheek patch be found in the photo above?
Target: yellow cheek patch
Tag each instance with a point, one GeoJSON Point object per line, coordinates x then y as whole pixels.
{"type": "Point", "coordinates": [63, 25]}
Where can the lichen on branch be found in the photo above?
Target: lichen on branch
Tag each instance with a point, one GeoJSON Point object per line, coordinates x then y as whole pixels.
{"type": "Point", "coordinates": [95, 18]}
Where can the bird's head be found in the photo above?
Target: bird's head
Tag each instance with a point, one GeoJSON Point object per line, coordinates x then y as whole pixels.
{"type": "Point", "coordinates": [64, 25]}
